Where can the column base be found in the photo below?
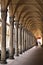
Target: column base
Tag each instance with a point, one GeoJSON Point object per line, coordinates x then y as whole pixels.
{"type": "Point", "coordinates": [3, 62]}
{"type": "Point", "coordinates": [16, 54]}
{"type": "Point", "coordinates": [21, 52]}
{"type": "Point", "coordinates": [24, 50]}
{"type": "Point", "coordinates": [11, 57]}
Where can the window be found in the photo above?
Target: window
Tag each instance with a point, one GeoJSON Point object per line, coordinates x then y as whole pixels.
{"type": "Point", "coordinates": [7, 30]}
{"type": "Point", "coordinates": [7, 36]}
{"type": "Point", "coordinates": [8, 16]}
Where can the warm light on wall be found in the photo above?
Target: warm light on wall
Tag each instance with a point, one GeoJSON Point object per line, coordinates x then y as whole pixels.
{"type": "Point", "coordinates": [39, 40]}
{"type": "Point", "coordinates": [37, 33]}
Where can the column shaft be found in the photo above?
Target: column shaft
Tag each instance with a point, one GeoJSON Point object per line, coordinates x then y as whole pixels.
{"type": "Point", "coordinates": [20, 38]}
{"type": "Point", "coordinates": [3, 44]}
{"type": "Point", "coordinates": [11, 54]}
{"type": "Point", "coordinates": [24, 40]}
{"type": "Point", "coordinates": [28, 41]}
{"type": "Point", "coordinates": [16, 39]}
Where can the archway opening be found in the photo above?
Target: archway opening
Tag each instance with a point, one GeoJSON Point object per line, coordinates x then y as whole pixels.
{"type": "Point", "coordinates": [39, 41]}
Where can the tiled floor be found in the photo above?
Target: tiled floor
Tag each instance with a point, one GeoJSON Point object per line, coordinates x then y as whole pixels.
{"type": "Point", "coordinates": [34, 56]}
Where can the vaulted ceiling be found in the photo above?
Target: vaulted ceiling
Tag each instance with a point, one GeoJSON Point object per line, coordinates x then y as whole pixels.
{"type": "Point", "coordinates": [27, 12]}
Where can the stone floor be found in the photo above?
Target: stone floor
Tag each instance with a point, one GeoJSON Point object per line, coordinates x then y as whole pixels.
{"type": "Point", "coordinates": [33, 56]}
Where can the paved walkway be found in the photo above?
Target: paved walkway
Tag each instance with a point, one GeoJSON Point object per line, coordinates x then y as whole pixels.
{"type": "Point", "coordinates": [34, 56]}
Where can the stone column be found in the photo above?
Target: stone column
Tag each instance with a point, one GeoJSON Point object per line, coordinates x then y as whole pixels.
{"type": "Point", "coordinates": [24, 40]}
{"type": "Point", "coordinates": [11, 54]}
{"type": "Point", "coordinates": [20, 38]}
{"type": "Point", "coordinates": [28, 41]}
{"type": "Point", "coordinates": [31, 40]}
{"type": "Point", "coordinates": [16, 39]}
{"type": "Point", "coordinates": [3, 44]}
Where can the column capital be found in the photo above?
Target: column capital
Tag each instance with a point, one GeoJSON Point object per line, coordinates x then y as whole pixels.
{"type": "Point", "coordinates": [16, 24]}
{"type": "Point", "coordinates": [20, 25]}
{"type": "Point", "coordinates": [11, 19]}
{"type": "Point", "coordinates": [4, 14]}
{"type": "Point", "coordinates": [2, 11]}
{"type": "Point", "coordinates": [24, 28]}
